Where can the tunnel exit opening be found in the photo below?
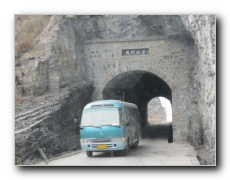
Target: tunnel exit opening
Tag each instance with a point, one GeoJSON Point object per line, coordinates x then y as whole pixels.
{"type": "Point", "coordinates": [138, 87]}
{"type": "Point", "coordinates": [159, 119]}
{"type": "Point", "coordinates": [159, 111]}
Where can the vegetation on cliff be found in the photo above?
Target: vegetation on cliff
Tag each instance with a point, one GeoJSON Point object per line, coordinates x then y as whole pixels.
{"type": "Point", "coordinates": [27, 28]}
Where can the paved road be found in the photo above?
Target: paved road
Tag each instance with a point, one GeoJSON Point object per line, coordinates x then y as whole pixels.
{"type": "Point", "coordinates": [150, 152]}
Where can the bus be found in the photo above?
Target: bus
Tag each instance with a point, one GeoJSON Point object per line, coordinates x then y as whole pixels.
{"type": "Point", "coordinates": [109, 125]}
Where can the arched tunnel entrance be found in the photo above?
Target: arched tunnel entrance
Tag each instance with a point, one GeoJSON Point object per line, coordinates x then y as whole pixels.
{"type": "Point", "coordinates": [138, 87]}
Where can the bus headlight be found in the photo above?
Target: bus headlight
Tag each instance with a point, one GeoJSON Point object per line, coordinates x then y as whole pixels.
{"type": "Point", "coordinates": [122, 139]}
{"type": "Point", "coordinates": [85, 140]}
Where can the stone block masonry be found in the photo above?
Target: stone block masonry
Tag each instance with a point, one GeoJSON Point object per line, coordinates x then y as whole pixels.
{"type": "Point", "coordinates": [167, 58]}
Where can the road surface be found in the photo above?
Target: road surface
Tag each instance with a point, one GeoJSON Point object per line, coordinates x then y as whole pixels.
{"type": "Point", "coordinates": [150, 152]}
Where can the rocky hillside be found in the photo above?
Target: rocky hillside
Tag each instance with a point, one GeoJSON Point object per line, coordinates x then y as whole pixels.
{"type": "Point", "coordinates": [47, 99]}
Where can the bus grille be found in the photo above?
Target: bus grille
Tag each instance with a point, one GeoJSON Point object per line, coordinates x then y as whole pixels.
{"type": "Point", "coordinates": [101, 140]}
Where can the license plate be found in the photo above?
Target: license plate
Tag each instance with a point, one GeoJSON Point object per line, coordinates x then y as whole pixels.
{"type": "Point", "coordinates": [101, 146]}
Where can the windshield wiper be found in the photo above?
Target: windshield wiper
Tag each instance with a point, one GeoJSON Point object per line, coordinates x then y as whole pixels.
{"type": "Point", "coordinates": [116, 125]}
{"type": "Point", "coordinates": [91, 126]}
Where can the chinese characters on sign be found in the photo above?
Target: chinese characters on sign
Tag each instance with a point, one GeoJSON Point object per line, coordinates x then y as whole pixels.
{"type": "Point", "coordinates": [133, 52]}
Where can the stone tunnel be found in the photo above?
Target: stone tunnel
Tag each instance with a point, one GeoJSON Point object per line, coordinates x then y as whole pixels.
{"type": "Point", "coordinates": [135, 58]}
{"type": "Point", "coordinates": [141, 69]}
{"type": "Point", "coordinates": [137, 87]}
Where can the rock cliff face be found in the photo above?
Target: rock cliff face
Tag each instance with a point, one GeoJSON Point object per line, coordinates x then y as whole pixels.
{"type": "Point", "coordinates": [52, 84]}
{"type": "Point", "coordinates": [47, 123]}
{"type": "Point", "coordinates": [53, 89]}
{"type": "Point", "coordinates": [203, 30]}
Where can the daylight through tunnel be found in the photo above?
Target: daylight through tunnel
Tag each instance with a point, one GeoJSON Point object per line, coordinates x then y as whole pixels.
{"type": "Point", "coordinates": [137, 87]}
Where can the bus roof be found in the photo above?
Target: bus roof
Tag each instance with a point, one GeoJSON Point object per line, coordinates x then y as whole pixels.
{"type": "Point", "coordinates": [109, 103]}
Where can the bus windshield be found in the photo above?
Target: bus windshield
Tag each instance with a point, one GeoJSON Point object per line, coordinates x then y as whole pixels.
{"type": "Point", "coordinates": [100, 117]}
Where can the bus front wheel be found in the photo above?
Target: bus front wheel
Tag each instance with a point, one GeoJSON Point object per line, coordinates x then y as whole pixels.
{"type": "Point", "coordinates": [136, 144]}
{"type": "Point", "coordinates": [126, 150]}
{"type": "Point", "coordinates": [89, 153]}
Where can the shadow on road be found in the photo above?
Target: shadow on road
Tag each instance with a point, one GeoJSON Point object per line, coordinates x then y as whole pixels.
{"type": "Point", "coordinates": [132, 152]}
{"type": "Point", "coordinates": [158, 131]}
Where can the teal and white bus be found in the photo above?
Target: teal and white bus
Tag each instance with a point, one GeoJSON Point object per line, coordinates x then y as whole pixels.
{"type": "Point", "coordinates": [109, 125]}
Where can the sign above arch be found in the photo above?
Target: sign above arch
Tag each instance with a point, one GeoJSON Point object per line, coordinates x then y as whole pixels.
{"type": "Point", "coordinates": [167, 58]}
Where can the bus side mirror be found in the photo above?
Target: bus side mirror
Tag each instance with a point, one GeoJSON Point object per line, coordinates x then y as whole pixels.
{"type": "Point", "coordinates": [127, 123]}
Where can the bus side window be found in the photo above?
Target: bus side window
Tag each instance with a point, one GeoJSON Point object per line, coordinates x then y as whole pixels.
{"type": "Point", "coordinates": [126, 115]}
{"type": "Point", "coordinates": [129, 115]}
{"type": "Point", "coordinates": [132, 115]}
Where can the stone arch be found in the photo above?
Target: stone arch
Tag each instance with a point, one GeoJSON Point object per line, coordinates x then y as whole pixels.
{"type": "Point", "coordinates": [138, 87]}
{"type": "Point", "coordinates": [109, 75]}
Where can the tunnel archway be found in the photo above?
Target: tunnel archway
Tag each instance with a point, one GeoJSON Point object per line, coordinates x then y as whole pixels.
{"type": "Point", "coordinates": [137, 87]}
